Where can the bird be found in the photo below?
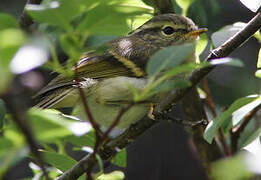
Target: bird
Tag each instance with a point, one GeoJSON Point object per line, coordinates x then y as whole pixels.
{"type": "Point", "coordinates": [106, 78]}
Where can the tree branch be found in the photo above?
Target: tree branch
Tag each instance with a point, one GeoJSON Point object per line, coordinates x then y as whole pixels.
{"type": "Point", "coordinates": [25, 20]}
{"type": "Point", "coordinates": [15, 102]}
{"type": "Point", "coordinates": [194, 111]}
{"type": "Point", "coordinates": [212, 107]}
{"type": "Point", "coordinates": [134, 131]}
{"type": "Point", "coordinates": [222, 51]}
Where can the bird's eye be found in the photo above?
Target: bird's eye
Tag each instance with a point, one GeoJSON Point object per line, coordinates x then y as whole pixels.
{"type": "Point", "coordinates": [168, 30]}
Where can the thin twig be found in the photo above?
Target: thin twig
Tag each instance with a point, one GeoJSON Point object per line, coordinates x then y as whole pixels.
{"type": "Point", "coordinates": [235, 134]}
{"type": "Point", "coordinates": [86, 107]}
{"type": "Point", "coordinates": [209, 98]}
{"type": "Point", "coordinates": [116, 121]}
{"type": "Point", "coordinates": [104, 136]}
{"type": "Point", "coordinates": [194, 111]}
{"type": "Point", "coordinates": [212, 107]}
{"type": "Point", "coordinates": [100, 137]}
{"type": "Point", "coordinates": [144, 124]}
{"type": "Point", "coordinates": [87, 163]}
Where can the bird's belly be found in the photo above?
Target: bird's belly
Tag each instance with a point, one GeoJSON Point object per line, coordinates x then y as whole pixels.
{"type": "Point", "coordinates": [108, 98]}
{"type": "Point", "coordinates": [105, 115]}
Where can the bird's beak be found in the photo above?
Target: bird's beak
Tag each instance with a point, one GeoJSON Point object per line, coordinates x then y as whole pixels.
{"type": "Point", "coordinates": [197, 32]}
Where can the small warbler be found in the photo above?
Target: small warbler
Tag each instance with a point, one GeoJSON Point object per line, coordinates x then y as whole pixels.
{"type": "Point", "coordinates": [106, 78]}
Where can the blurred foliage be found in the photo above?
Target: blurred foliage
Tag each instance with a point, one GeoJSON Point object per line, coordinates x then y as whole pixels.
{"type": "Point", "coordinates": [232, 168]}
{"type": "Point", "coordinates": [88, 25]}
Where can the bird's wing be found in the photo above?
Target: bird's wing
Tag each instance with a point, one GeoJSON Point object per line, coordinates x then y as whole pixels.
{"type": "Point", "coordinates": [90, 67]}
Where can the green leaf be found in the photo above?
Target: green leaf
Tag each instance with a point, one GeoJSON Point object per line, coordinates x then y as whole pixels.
{"type": "Point", "coordinates": [96, 41]}
{"type": "Point", "coordinates": [233, 168]}
{"type": "Point", "coordinates": [239, 114]}
{"type": "Point", "coordinates": [10, 41]}
{"type": "Point", "coordinates": [257, 35]}
{"type": "Point", "coordinates": [111, 19]}
{"type": "Point", "coordinates": [2, 113]}
{"type": "Point", "coordinates": [168, 58]}
{"type": "Point", "coordinates": [253, 5]}
{"type": "Point", "coordinates": [198, 12]}
{"type": "Point", "coordinates": [71, 46]}
{"type": "Point", "coordinates": [214, 125]}
{"type": "Point", "coordinates": [176, 7]}
{"type": "Point", "coordinates": [115, 175]}
{"type": "Point", "coordinates": [201, 44]}
{"type": "Point", "coordinates": [85, 140]}
{"type": "Point", "coordinates": [5, 146]}
{"type": "Point", "coordinates": [120, 158]}
{"type": "Point", "coordinates": [48, 125]}
{"type": "Point", "coordinates": [7, 22]}
{"type": "Point", "coordinates": [57, 13]}
{"type": "Point", "coordinates": [184, 68]}
{"type": "Point", "coordinates": [148, 2]}
{"type": "Point", "coordinates": [258, 73]}
{"type": "Point", "coordinates": [60, 161]}
{"type": "Point", "coordinates": [256, 134]}
{"type": "Point", "coordinates": [221, 36]}
{"type": "Point", "coordinates": [153, 84]}
{"type": "Point", "coordinates": [184, 4]}
{"type": "Point", "coordinates": [259, 59]}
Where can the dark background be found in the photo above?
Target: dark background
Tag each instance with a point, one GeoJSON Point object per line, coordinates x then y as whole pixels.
{"type": "Point", "coordinates": [165, 152]}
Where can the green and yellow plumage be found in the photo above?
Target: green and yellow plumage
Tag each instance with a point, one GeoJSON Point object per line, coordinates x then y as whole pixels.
{"type": "Point", "coordinates": [106, 78]}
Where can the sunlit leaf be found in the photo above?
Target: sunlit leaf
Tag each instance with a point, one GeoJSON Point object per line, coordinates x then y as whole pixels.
{"type": "Point", "coordinates": [239, 114]}
{"type": "Point", "coordinates": [7, 22]}
{"type": "Point", "coordinates": [85, 140]}
{"type": "Point", "coordinates": [28, 57]}
{"type": "Point", "coordinates": [115, 175]}
{"type": "Point", "coordinates": [214, 125]}
{"type": "Point", "coordinates": [10, 41]}
{"type": "Point", "coordinates": [58, 13]}
{"type": "Point", "coordinates": [184, 4]}
{"type": "Point", "coordinates": [120, 158]}
{"type": "Point", "coordinates": [109, 19]}
{"type": "Point", "coordinates": [233, 168]}
{"type": "Point", "coordinates": [49, 125]}
{"type": "Point", "coordinates": [168, 58]}
{"type": "Point", "coordinates": [259, 59]}
{"type": "Point", "coordinates": [219, 37]}
{"type": "Point", "coordinates": [258, 73]}
{"type": "Point", "coordinates": [201, 44]}
{"type": "Point", "coordinates": [257, 35]}
{"type": "Point", "coordinates": [253, 5]}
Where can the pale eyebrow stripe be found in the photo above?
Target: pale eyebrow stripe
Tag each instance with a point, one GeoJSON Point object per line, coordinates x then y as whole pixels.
{"type": "Point", "coordinates": [158, 24]}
